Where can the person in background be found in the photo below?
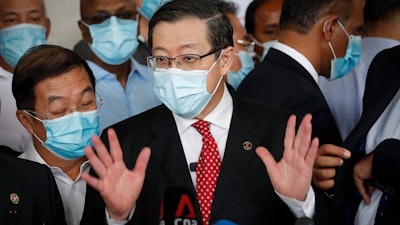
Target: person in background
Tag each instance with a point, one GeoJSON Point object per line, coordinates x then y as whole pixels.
{"type": "Point", "coordinates": [56, 103]}
{"type": "Point", "coordinates": [111, 30]}
{"type": "Point", "coordinates": [243, 62]}
{"type": "Point", "coordinates": [23, 24]}
{"type": "Point", "coordinates": [381, 31]}
{"type": "Point", "coordinates": [262, 22]}
{"type": "Point", "coordinates": [28, 193]}
{"type": "Point", "coordinates": [202, 122]}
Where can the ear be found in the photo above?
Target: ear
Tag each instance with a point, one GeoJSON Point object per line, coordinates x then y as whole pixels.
{"type": "Point", "coordinates": [87, 38]}
{"type": "Point", "coordinates": [48, 27]}
{"type": "Point", "coordinates": [328, 27]}
{"type": "Point", "coordinates": [25, 120]}
{"type": "Point", "coordinates": [227, 60]}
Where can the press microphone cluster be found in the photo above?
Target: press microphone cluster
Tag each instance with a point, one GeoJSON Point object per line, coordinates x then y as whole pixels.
{"type": "Point", "coordinates": [178, 207]}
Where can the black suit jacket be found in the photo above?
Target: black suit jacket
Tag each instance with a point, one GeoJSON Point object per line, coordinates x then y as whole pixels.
{"type": "Point", "coordinates": [39, 200]}
{"type": "Point", "coordinates": [243, 194]}
{"type": "Point", "coordinates": [281, 81]}
{"type": "Point", "coordinates": [382, 84]}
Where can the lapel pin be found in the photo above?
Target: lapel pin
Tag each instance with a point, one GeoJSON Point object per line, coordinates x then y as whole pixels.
{"type": "Point", "coordinates": [247, 145]}
{"type": "Point", "coordinates": [14, 198]}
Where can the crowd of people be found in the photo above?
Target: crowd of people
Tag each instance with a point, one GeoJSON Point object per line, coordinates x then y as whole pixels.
{"type": "Point", "coordinates": [291, 116]}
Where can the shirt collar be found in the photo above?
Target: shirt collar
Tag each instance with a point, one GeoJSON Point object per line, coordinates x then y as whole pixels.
{"type": "Point", "coordinates": [5, 74]}
{"type": "Point", "coordinates": [221, 116]}
{"type": "Point", "coordinates": [101, 73]}
{"type": "Point", "coordinates": [297, 56]}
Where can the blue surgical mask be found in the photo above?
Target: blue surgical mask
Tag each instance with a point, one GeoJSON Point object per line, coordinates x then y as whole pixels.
{"type": "Point", "coordinates": [67, 136]}
{"type": "Point", "coordinates": [184, 92]}
{"type": "Point", "coordinates": [266, 46]}
{"type": "Point", "coordinates": [235, 78]}
{"type": "Point", "coordinates": [342, 66]}
{"type": "Point", "coordinates": [15, 40]}
{"type": "Point", "coordinates": [114, 40]}
{"type": "Point", "coordinates": [149, 7]}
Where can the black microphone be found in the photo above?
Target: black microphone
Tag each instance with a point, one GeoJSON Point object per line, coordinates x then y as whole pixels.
{"type": "Point", "coordinates": [304, 221]}
{"type": "Point", "coordinates": [178, 207]}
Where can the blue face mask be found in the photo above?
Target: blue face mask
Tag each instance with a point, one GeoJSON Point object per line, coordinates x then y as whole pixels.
{"type": "Point", "coordinates": [114, 40]}
{"type": "Point", "coordinates": [15, 40]}
{"type": "Point", "coordinates": [235, 78]}
{"type": "Point", "coordinates": [266, 46]}
{"type": "Point", "coordinates": [342, 66]}
{"type": "Point", "coordinates": [184, 92]}
{"type": "Point", "coordinates": [149, 7]}
{"type": "Point", "coordinates": [67, 136]}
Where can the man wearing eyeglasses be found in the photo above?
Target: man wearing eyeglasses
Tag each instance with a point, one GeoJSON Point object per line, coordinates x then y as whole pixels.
{"type": "Point", "coordinates": [110, 28]}
{"type": "Point", "coordinates": [203, 138]}
{"type": "Point", "coordinates": [55, 94]}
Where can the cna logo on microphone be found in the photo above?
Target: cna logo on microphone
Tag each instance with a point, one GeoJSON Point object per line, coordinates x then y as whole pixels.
{"type": "Point", "coordinates": [177, 207]}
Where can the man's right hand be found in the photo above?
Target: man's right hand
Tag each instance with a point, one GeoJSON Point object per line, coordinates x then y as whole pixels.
{"type": "Point", "coordinates": [328, 158]}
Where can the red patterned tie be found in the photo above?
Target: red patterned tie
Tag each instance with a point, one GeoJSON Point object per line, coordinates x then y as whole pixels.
{"type": "Point", "coordinates": [207, 170]}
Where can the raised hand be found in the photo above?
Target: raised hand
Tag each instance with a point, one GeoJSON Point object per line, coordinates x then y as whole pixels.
{"type": "Point", "coordinates": [291, 176]}
{"type": "Point", "coordinates": [119, 186]}
{"type": "Point", "coordinates": [361, 172]}
{"type": "Point", "coordinates": [328, 158]}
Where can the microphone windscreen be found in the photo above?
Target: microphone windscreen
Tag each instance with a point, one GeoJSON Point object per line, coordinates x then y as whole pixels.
{"type": "Point", "coordinates": [178, 207]}
{"type": "Point", "coordinates": [304, 221]}
{"type": "Point", "coordinates": [225, 222]}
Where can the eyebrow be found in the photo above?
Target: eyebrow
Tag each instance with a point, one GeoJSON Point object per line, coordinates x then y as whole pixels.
{"type": "Point", "coordinates": [54, 98]}
{"type": "Point", "coordinates": [190, 46]}
{"type": "Point", "coordinates": [7, 13]}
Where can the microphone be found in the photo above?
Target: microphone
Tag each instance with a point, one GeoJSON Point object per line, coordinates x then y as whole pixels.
{"type": "Point", "coordinates": [225, 222]}
{"type": "Point", "coordinates": [304, 221]}
{"type": "Point", "coordinates": [178, 207]}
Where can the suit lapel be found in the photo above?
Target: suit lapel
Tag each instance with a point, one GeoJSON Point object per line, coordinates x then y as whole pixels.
{"type": "Point", "coordinates": [236, 158]}
{"type": "Point", "coordinates": [168, 151]}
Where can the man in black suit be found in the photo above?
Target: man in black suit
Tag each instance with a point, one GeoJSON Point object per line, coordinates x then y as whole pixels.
{"type": "Point", "coordinates": [313, 35]}
{"type": "Point", "coordinates": [192, 50]}
{"type": "Point", "coordinates": [28, 193]}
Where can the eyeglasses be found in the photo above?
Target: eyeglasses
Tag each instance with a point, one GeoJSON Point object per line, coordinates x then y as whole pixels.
{"type": "Point", "coordinates": [101, 17]}
{"type": "Point", "coordinates": [184, 62]}
{"type": "Point", "coordinates": [88, 105]}
{"type": "Point", "coordinates": [248, 45]}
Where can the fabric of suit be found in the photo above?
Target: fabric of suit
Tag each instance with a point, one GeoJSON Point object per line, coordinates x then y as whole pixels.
{"type": "Point", "coordinates": [243, 194]}
{"type": "Point", "coordinates": [39, 200]}
{"type": "Point", "coordinates": [281, 81]}
{"type": "Point", "coordinates": [382, 84]}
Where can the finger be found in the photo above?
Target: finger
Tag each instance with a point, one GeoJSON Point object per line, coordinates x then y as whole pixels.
{"type": "Point", "coordinates": [311, 153]}
{"type": "Point", "coordinates": [304, 137]}
{"type": "Point", "coordinates": [115, 147]}
{"type": "Point", "coordinates": [327, 161]}
{"type": "Point", "coordinates": [95, 162]}
{"type": "Point", "coordinates": [361, 190]}
{"type": "Point", "coordinates": [268, 160]}
{"type": "Point", "coordinates": [324, 184]}
{"type": "Point", "coordinates": [324, 174]}
{"type": "Point", "coordinates": [333, 150]}
{"type": "Point", "coordinates": [102, 152]}
{"type": "Point", "coordinates": [93, 182]}
{"type": "Point", "coordinates": [141, 162]}
{"type": "Point", "coordinates": [290, 132]}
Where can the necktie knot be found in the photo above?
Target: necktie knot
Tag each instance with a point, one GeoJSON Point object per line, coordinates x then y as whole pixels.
{"type": "Point", "coordinates": [203, 127]}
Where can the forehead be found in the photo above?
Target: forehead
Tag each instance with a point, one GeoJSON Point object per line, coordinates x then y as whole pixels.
{"type": "Point", "coordinates": [356, 15]}
{"type": "Point", "coordinates": [21, 6]}
{"type": "Point", "coordinates": [186, 33]}
{"type": "Point", "coordinates": [67, 84]}
{"type": "Point", "coordinates": [269, 9]}
{"type": "Point", "coordinates": [109, 6]}
{"type": "Point", "coordinates": [238, 29]}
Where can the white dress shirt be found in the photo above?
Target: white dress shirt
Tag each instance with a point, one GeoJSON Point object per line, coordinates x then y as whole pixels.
{"type": "Point", "coordinates": [72, 192]}
{"type": "Point", "coordinates": [344, 95]}
{"type": "Point", "coordinates": [387, 126]}
{"type": "Point", "coordinates": [12, 133]}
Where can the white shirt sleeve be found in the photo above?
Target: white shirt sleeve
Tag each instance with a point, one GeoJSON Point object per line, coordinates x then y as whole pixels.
{"type": "Point", "coordinates": [300, 208]}
{"type": "Point", "coordinates": [119, 222]}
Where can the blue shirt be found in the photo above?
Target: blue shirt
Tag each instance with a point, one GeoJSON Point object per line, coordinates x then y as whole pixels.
{"type": "Point", "coordinates": [119, 103]}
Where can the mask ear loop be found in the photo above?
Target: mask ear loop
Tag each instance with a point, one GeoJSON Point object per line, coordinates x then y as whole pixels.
{"type": "Point", "coordinates": [329, 43]}
{"type": "Point", "coordinates": [212, 67]}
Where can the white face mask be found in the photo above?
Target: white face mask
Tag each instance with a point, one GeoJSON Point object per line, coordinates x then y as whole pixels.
{"type": "Point", "coordinates": [266, 46]}
{"type": "Point", "coordinates": [184, 92]}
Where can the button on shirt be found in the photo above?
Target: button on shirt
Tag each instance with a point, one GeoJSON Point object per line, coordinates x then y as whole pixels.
{"type": "Point", "coordinates": [12, 133]}
{"type": "Point", "coordinates": [120, 103]}
{"type": "Point", "coordinates": [72, 192]}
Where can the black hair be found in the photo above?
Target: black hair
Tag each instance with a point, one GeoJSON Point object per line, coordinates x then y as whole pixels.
{"type": "Point", "coordinates": [219, 27]}
{"type": "Point", "coordinates": [40, 63]}
{"type": "Point", "coordinates": [249, 23]}
{"type": "Point", "coordinates": [381, 10]}
{"type": "Point", "coordinates": [301, 15]}
{"type": "Point", "coordinates": [227, 7]}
